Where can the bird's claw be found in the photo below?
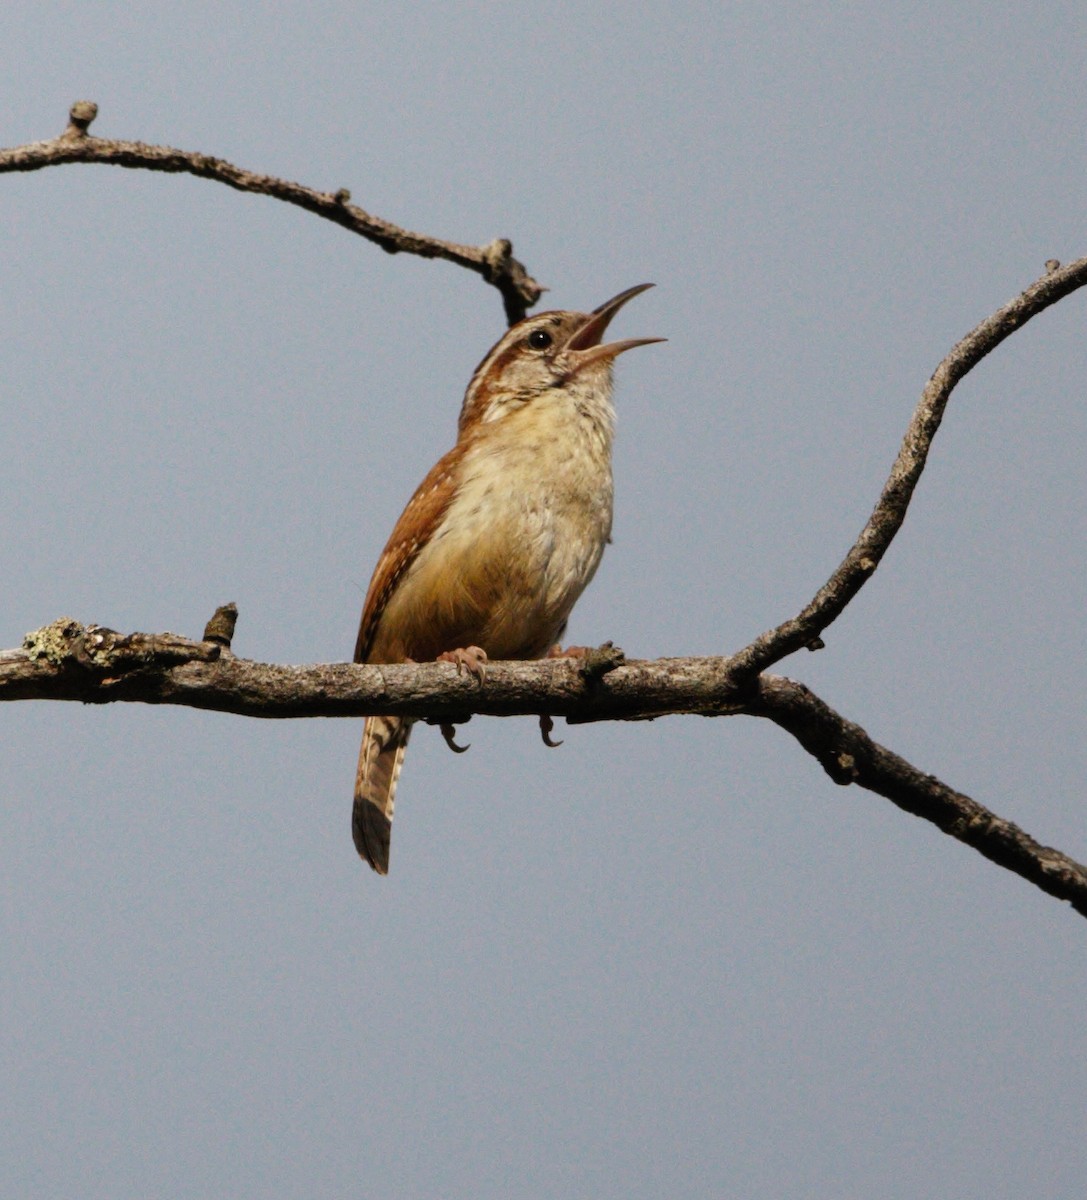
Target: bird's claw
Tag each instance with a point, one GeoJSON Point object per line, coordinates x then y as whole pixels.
{"type": "Point", "coordinates": [449, 731]}
{"type": "Point", "coordinates": [467, 658]}
{"type": "Point", "coordinates": [546, 726]}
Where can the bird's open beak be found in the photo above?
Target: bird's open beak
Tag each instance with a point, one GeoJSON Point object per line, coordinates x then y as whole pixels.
{"type": "Point", "coordinates": [584, 346]}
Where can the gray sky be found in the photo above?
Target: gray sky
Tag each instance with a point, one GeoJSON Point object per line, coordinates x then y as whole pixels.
{"type": "Point", "coordinates": [665, 960]}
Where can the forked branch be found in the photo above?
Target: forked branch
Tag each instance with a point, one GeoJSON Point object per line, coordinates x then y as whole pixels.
{"type": "Point", "coordinates": [68, 661]}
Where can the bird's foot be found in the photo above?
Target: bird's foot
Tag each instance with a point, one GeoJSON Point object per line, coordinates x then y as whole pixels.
{"type": "Point", "coordinates": [467, 658]}
{"type": "Point", "coordinates": [557, 651]}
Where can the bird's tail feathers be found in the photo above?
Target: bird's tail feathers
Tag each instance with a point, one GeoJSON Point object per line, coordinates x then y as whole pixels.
{"type": "Point", "coordinates": [384, 741]}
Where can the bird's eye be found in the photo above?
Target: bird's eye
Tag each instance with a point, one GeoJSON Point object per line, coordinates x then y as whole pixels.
{"type": "Point", "coordinates": [539, 339]}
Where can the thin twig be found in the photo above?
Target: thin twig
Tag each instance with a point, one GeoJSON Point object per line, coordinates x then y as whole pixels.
{"type": "Point", "coordinates": [494, 262]}
{"type": "Point", "coordinates": [864, 556]}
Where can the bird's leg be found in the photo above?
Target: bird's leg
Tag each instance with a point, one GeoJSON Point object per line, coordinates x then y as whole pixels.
{"type": "Point", "coordinates": [466, 658]}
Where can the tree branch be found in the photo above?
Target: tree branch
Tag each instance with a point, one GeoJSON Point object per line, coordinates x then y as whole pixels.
{"type": "Point", "coordinates": [69, 661]}
{"type": "Point", "coordinates": [95, 665]}
{"type": "Point", "coordinates": [864, 556]}
{"type": "Point", "coordinates": [849, 755]}
{"type": "Point", "coordinates": [494, 262]}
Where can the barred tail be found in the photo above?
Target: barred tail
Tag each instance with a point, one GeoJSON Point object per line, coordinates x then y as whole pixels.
{"type": "Point", "coordinates": [384, 741]}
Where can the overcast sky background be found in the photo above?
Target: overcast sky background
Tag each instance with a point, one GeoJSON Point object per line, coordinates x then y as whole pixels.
{"type": "Point", "coordinates": [666, 960]}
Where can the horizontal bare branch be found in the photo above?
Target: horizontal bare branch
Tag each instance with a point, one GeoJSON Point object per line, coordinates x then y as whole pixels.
{"type": "Point", "coordinates": [494, 262]}
{"type": "Point", "coordinates": [69, 661]}
{"type": "Point", "coordinates": [94, 665]}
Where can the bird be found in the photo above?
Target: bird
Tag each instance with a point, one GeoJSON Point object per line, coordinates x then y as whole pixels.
{"type": "Point", "coordinates": [502, 536]}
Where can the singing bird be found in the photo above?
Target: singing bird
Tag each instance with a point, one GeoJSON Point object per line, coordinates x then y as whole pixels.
{"type": "Point", "coordinates": [504, 533]}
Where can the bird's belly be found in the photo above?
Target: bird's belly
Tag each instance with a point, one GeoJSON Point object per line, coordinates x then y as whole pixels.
{"type": "Point", "coordinates": [502, 571]}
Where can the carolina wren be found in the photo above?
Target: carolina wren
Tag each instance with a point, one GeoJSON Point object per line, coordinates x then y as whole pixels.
{"type": "Point", "coordinates": [500, 539]}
